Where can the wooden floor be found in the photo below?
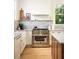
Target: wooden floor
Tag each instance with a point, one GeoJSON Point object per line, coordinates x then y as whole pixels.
{"type": "Point", "coordinates": [36, 53]}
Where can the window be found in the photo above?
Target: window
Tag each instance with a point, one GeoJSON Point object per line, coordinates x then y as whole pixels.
{"type": "Point", "coordinates": [59, 14]}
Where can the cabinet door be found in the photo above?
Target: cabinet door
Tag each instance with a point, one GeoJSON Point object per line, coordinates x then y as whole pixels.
{"type": "Point", "coordinates": [17, 48]}
{"type": "Point", "coordinates": [56, 49]}
{"type": "Point", "coordinates": [24, 38]}
{"type": "Point", "coordinates": [21, 45]}
{"type": "Point", "coordinates": [59, 51]}
{"type": "Point", "coordinates": [28, 37]}
{"type": "Point", "coordinates": [23, 42]}
{"type": "Point", "coordinates": [53, 49]}
{"type": "Point", "coordinates": [62, 50]}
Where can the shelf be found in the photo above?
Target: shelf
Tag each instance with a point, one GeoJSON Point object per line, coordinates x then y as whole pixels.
{"type": "Point", "coordinates": [40, 15]}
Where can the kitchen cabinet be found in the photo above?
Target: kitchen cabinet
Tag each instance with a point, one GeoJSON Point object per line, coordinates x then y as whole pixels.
{"type": "Point", "coordinates": [17, 48]}
{"type": "Point", "coordinates": [19, 45]}
{"type": "Point", "coordinates": [29, 37]}
{"type": "Point", "coordinates": [54, 49]}
{"type": "Point", "coordinates": [57, 49]}
{"type": "Point", "coordinates": [60, 50]}
{"type": "Point", "coordinates": [22, 42]}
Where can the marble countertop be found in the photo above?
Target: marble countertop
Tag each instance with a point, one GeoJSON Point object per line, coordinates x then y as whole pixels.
{"type": "Point", "coordinates": [59, 35]}
{"type": "Point", "coordinates": [18, 34]}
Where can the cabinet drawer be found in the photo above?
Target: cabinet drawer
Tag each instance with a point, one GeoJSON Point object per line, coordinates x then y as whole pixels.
{"type": "Point", "coordinates": [22, 45]}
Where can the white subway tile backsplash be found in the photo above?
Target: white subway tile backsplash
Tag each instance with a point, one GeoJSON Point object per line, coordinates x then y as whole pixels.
{"type": "Point", "coordinates": [39, 24]}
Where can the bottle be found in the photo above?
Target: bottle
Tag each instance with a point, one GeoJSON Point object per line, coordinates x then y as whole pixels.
{"type": "Point", "coordinates": [22, 14]}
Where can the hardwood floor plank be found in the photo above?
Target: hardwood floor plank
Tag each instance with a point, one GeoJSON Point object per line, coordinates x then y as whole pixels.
{"type": "Point", "coordinates": [36, 53]}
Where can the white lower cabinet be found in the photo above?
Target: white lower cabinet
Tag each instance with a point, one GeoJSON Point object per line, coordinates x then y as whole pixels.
{"type": "Point", "coordinates": [29, 37]}
{"type": "Point", "coordinates": [19, 45]}
{"type": "Point", "coordinates": [17, 48]}
{"type": "Point", "coordinates": [22, 42]}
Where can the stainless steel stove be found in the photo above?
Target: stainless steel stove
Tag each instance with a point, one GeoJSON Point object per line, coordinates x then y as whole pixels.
{"type": "Point", "coordinates": [40, 36]}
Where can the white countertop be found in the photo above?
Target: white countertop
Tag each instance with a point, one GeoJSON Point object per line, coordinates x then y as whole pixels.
{"type": "Point", "coordinates": [18, 34]}
{"type": "Point", "coordinates": [59, 35]}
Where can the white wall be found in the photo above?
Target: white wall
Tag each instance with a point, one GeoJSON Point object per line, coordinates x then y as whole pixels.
{"type": "Point", "coordinates": [35, 6]}
{"type": "Point", "coordinates": [39, 7]}
{"type": "Point", "coordinates": [54, 3]}
{"type": "Point", "coordinates": [16, 14]}
{"type": "Point", "coordinates": [59, 26]}
{"type": "Point", "coordinates": [59, 1]}
{"type": "Point", "coordinates": [53, 6]}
